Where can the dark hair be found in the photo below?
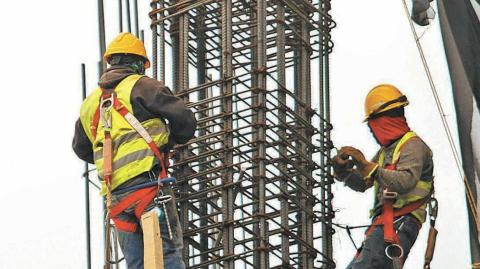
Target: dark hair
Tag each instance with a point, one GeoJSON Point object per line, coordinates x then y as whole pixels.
{"type": "Point", "coordinates": [137, 63]}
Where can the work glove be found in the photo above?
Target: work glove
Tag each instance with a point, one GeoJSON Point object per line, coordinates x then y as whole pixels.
{"type": "Point", "coordinates": [342, 166]}
{"type": "Point", "coordinates": [365, 167]}
{"type": "Point", "coordinates": [166, 148]}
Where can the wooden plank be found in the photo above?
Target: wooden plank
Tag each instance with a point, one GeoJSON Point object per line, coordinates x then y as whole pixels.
{"type": "Point", "coordinates": [152, 241]}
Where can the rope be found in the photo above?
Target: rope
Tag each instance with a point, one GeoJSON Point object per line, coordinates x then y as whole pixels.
{"type": "Point", "coordinates": [470, 197]}
{"type": "Point", "coordinates": [349, 229]}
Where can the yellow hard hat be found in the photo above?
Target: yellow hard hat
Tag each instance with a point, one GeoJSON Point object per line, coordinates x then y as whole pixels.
{"type": "Point", "coordinates": [126, 43]}
{"type": "Point", "coordinates": [382, 98]}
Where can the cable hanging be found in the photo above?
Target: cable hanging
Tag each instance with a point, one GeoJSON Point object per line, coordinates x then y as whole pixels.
{"type": "Point", "coordinates": [468, 190]}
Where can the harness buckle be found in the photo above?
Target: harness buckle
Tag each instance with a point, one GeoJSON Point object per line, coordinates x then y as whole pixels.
{"type": "Point", "coordinates": [433, 210]}
{"type": "Point", "coordinates": [389, 194]}
{"type": "Point", "coordinates": [162, 199]}
{"type": "Point", "coordinates": [106, 104]}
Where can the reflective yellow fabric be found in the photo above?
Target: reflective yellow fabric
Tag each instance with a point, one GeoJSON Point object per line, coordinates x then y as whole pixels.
{"type": "Point", "coordinates": [421, 190]}
{"type": "Point", "coordinates": [131, 154]}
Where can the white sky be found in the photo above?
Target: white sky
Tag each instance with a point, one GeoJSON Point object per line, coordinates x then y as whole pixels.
{"type": "Point", "coordinates": [41, 197]}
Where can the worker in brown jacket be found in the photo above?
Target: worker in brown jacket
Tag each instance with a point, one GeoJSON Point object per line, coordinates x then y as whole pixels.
{"type": "Point", "coordinates": [402, 175]}
{"type": "Point", "coordinates": [126, 128]}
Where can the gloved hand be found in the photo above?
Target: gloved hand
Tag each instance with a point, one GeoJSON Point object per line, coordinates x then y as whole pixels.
{"type": "Point", "coordinates": [341, 166]}
{"type": "Point", "coordinates": [365, 167]}
{"type": "Point", "coordinates": [168, 146]}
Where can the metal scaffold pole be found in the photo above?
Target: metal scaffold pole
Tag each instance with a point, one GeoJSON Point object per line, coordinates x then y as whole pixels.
{"type": "Point", "coordinates": [86, 177]}
{"type": "Point", "coordinates": [101, 35]}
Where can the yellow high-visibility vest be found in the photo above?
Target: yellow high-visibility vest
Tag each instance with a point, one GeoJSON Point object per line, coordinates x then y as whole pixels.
{"type": "Point", "coordinates": [131, 154]}
{"type": "Point", "coordinates": [421, 190]}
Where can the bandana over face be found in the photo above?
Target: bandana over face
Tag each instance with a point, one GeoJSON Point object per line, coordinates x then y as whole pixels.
{"type": "Point", "coordinates": [388, 129]}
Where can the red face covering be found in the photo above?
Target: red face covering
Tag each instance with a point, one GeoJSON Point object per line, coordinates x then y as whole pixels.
{"type": "Point", "coordinates": [388, 129]}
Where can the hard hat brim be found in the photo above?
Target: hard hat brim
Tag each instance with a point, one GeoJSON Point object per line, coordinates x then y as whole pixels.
{"type": "Point", "coordinates": [389, 107]}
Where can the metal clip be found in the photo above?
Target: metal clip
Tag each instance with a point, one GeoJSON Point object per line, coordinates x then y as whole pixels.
{"type": "Point", "coordinates": [394, 251]}
{"type": "Point", "coordinates": [106, 105]}
{"type": "Point", "coordinates": [389, 194]}
{"type": "Point", "coordinates": [161, 201]}
{"type": "Point", "coordinates": [433, 210]}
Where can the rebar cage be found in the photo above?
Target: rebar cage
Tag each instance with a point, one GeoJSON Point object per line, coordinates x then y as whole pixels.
{"type": "Point", "coordinates": [254, 184]}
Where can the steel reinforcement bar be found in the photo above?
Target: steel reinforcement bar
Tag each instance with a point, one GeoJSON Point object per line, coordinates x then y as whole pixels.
{"type": "Point", "coordinates": [254, 184]}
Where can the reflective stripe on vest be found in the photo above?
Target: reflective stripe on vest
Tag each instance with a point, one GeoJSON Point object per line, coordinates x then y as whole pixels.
{"type": "Point", "coordinates": [131, 154]}
{"type": "Point", "coordinates": [421, 190]}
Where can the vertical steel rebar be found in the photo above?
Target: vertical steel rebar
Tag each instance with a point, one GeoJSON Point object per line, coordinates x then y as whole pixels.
{"type": "Point", "coordinates": [135, 13]}
{"type": "Point", "coordinates": [120, 16]}
{"type": "Point", "coordinates": [227, 179]}
{"type": "Point", "coordinates": [161, 37]}
{"type": "Point", "coordinates": [129, 20]}
{"type": "Point", "coordinates": [101, 34]}
{"type": "Point", "coordinates": [202, 95]}
{"type": "Point", "coordinates": [260, 139]}
{"type": "Point", "coordinates": [323, 161]}
{"type": "Point", "coordinates": [86, 176]}
{"type": "Point", "coordinates": [327, 211]}
{"type": "Point", "coordinates": [175, 37]}
{"type": "Point", "coordinates": [283, 132]}
{"type": "Point", "coordinates": [101, 66]}
{"type": "Point", "coordinates": [183, 83]}
{"type": "Point", "coordinates": [154, 28]}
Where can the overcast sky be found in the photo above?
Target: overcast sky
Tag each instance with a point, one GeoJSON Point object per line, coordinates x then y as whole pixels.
{"type": "Point", "coordinates": [41, 196]}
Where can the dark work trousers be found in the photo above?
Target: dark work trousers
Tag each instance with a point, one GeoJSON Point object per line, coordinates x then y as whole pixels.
{"type": "Point", "coordinates": [372, 255]}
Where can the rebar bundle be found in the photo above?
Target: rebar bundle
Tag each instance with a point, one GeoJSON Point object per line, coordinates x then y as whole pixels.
{"type": "Point", "coordinates": [254, 184]}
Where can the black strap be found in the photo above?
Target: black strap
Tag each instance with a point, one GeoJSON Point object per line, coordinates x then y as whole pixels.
{"type": "Point", "coordinates": [402, 98]}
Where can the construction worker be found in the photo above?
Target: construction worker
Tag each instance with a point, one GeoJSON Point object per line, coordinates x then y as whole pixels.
{"type": "Point", "coordinates": [402, 175]}
{"type": "Point", "coordinates": [139, 119]}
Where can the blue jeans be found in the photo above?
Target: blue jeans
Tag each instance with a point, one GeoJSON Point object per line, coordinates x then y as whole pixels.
{"type": "Point", "coordinates": [372, 255]}
{"type": "Point", "coordinates": [132, 243]}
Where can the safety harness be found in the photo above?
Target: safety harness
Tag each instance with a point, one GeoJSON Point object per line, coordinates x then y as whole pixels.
{"type": "Point", "coordinates": [140, 198]}
{"type": "Point", "coordinates": [394, 250]}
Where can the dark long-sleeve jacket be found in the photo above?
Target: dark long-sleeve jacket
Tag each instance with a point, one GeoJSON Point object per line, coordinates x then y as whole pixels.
{"type": "Point", "coordinates": [415, 163]}
{"type": "Point", "coordinates": [149, 99]}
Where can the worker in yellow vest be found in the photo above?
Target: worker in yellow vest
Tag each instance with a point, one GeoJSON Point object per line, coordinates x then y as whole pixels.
{"type": "Point", "coordinates": [401, 174]}
{"type": "Point", "coordinates": [125, 128]}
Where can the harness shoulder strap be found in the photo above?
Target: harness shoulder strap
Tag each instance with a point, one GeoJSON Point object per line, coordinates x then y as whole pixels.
{"type": "Point", "coordinates": [128, 83]}
{"type": "Point", "coordinates": [401, 143]}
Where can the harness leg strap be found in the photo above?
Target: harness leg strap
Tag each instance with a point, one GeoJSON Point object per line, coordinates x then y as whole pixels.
{"type": "Point", "coordinates": [142, 198]}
